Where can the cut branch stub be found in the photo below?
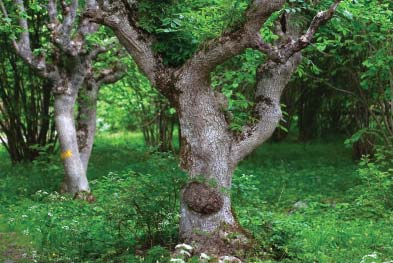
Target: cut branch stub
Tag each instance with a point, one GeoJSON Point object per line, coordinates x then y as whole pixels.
{"type": "Point", "coordinates": [202, 198]}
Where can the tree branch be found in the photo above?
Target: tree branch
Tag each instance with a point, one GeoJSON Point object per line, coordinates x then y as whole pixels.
{"type": "Point", "coordinates": [97, 50]}
{"type": "Point", "coordinates": [24, 42]}
{"type": "Point", "coordinates": [110, 75]}
{"type": "Point", "coordinates": [52, 12]}
{"type": "Point", "coordinates": [62, 35]}
{"type": "Point", "coordinates": [305, 40]}
{"type": "Point", "coordinates": [272, 78]}
{"type": "Point", "coordinates": [86, 26]}
{"type": "Point", "coordinates": [119, 16]}
{"type": "Point", "coordinates": [61, 31]}
{"type": "Point", "coordinates": [69, 12]}
{"type": "Point", "coordinates": [233, 43]}
{"type": "Point", "coordinates": [22, 47]}
{"type": "Point", "coordinates": [259, 11]}
{"type": "Point", "coordinates": [5, 13]}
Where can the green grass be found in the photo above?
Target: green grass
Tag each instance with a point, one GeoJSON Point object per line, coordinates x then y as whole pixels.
{"type": "Point", "coordinates": [321, 176]}
{"type": "Point", "coordinates": [266, 186]}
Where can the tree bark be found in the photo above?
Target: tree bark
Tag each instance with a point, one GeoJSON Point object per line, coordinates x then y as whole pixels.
{"type": "Point", "coordinates": [210, 153]}
{"type": "Point", "coordinates": [86, 122]}
{"type": "Point", "coordinates": [75, 179]}
{"type": "Point", "coordinates": [289, 98]}
{"type": "Point", "coordinates": [76, 141]}
{"type": "Point", "coordinates": [205, 155]}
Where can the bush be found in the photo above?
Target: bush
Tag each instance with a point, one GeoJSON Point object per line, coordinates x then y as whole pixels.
{"type": "Point", "coordinates": [134, 212]}
{"type": "Point", "coordinates": [374, 194]}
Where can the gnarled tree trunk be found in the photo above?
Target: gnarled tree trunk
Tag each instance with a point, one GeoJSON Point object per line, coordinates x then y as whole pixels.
{"type": "Point", "coordinates": [206, 156]}
{"type": "Point", "coordinates": [209, 150]}
{"type": "Point", "coordinates": [210, 153]}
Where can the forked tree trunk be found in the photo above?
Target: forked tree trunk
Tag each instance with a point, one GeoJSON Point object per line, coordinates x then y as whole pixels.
{"type": "Point", "coordinates": [209, 154]}
{"type": "Point", "coordinates": [76, 139]}
{"type": "Point", "coordinates": [71, 64]}
{"type": "Point", "coordinates": [209, 150]}
{"type": "Point", "coordinates": [206, 212]}
{"type": "Point", "coordinates": [75, 179]}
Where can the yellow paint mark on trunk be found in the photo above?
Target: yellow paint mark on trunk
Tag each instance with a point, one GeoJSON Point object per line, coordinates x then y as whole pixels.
{"type": "Point", "coordinates": [66, 154]}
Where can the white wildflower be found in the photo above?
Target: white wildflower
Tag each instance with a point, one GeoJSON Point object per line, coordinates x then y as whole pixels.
{"type": "Point", "coordinates": [184, 246]}
{"type": "Point", "coordinates": [372, 255]}
{"type": "Point", "coordinates": [204, 256]}
{"type": "Point", "coordinates": [33, 207]}
{"type": "Point", "coordinates": [185, 252]}
{"type": "Point", "coordinates": [65, 228]}
{"type": "Point", "coordinates": [229, 259]}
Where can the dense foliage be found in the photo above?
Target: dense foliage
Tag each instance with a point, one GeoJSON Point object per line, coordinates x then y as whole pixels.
{"type": "Point", "coordinates": [302, 197]}
{"type": "Point", "coordinates": [26, 105]}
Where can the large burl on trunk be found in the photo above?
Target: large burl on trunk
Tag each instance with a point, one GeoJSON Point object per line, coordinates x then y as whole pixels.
{"type": "Point", "coordinates": [209, 150]}
{"type": "Point", "coordinates": [205, 154]}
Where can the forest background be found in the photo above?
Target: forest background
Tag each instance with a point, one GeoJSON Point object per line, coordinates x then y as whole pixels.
{"type": "Point", "coordinates": [320, 190]}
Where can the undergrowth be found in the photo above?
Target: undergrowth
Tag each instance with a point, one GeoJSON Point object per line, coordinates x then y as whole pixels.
{"type": "Point", "coordinates": [303, 203]}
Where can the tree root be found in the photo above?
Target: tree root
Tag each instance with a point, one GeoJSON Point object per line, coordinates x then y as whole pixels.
{"type": "Point", "coordinates": [227, 242]}
{"type": "Point", "coordinates": [86, 196]}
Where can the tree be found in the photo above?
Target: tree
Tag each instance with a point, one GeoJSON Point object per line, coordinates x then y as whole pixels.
{"type": "Point", "coordinates": [356, 80]}
{"type": "Point", "coordinates": [210, 151]}
{"type": "Point", "coordinates": [26, 107]}
{"type": "Point", "coordinates": [66, 62]}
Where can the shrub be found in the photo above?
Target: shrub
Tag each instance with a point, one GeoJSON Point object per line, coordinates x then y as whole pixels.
{"type": "Point", "coordinates": [374, 194]}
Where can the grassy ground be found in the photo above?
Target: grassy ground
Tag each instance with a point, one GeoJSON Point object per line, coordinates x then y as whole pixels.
{"type": "Point", "coordinates": [297, 199]}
